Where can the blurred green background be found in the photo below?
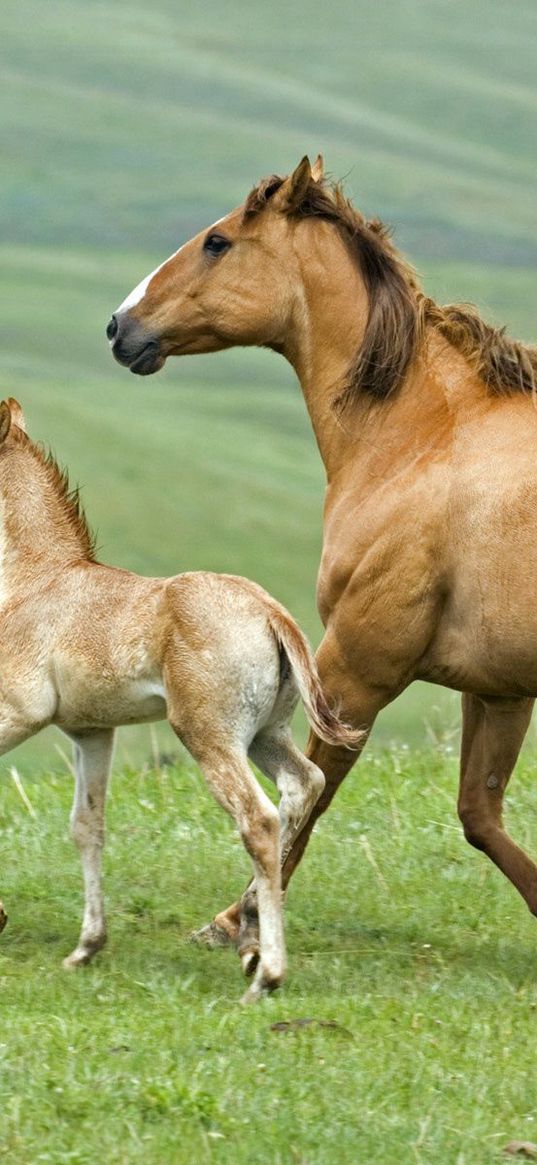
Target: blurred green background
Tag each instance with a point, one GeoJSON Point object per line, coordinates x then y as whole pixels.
{"type": "Point", "coordinates": [125, 128]}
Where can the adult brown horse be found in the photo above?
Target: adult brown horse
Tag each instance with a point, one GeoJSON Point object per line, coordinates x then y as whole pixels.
{"type": "Point", "coordinates": [426, 422]}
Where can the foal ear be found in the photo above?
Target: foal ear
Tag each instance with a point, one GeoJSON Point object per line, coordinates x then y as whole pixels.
{"type": "Point", "coordinates": [5, 420]}
{"type": "Point", "coordinates": [17, 415]}
{"type": "Point", "coordinates": [317, 170]}
{"type": "Point", "coordinates": [292, 191]}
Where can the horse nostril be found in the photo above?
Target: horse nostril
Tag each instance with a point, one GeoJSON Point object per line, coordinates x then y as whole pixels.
{"type": "Point", "coordinates": [112, 329]}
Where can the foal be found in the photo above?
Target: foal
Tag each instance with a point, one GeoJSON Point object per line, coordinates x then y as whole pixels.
{"type": "Point", "coordinates": [87, 647]}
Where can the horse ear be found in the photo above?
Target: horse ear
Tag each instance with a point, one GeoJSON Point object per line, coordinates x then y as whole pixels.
{"type": "Point", "coordinates": [292, 191]}
{"type": "Point", "coordinates": [5, 420]}
{"type": "Point", "coordinates": [17, 415]}
{"type": "Point", "coordinates": [317, 170]}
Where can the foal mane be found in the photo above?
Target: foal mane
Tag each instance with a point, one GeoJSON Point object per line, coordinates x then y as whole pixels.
{"type": "Point", "coordinates": [69, 499]}
{"type": "Point", "coordinates": [399, 312]}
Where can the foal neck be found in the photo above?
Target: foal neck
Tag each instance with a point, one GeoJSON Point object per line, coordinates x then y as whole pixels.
{"type": "Point", "coordinates": [41, 524]}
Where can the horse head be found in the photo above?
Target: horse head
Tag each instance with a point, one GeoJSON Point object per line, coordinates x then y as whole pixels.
{"type": "Point", "coordinates": [232, 284]}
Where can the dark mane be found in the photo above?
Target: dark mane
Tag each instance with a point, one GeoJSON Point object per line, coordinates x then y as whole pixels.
{"type": "Point", "coordinates": [399, 312]}
{"type": "Point", "coordinates": [68, 498]}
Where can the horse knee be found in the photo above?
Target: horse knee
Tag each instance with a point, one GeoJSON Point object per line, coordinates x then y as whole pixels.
{"type": "Point", "coordinates": [475, 825]}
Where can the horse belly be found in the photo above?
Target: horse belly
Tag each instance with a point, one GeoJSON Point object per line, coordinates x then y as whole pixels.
{"type": "Point", "coordinates": [142, 701]}
{"type": "Point", "coordinates": [486, 641]}
{"type": "Point", "coordinates": [92, 702]}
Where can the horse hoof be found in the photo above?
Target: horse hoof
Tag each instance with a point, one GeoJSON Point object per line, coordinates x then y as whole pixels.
{"type": "Point", "coordinates": [212, 936]}
{"type": "Point", "coordinates": [3, 916]}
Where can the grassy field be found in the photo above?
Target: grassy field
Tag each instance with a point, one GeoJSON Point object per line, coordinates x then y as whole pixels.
{"type": "Point", "coordinates": [412, 956]}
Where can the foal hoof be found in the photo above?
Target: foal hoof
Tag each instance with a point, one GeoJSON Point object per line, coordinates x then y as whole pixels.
{"type": "Point", "coordinates": [212, 936]}
{"type": "Point", "coordinates": [248, 943]}
{"type": "Point", "coordinates": [83, 954]}
{"type": "Point", "coordinates": [3, 916]}
{"type": "Point", "coordinates": [76, 959]}
{"type": "Point", "coordinates": [260, 987]}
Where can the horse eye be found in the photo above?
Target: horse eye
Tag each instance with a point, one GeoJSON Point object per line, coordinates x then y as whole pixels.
{"type": "Point", "coordinates": [216, 244]}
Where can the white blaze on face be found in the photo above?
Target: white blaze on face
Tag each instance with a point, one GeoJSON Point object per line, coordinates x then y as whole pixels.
{"type": "Point", "coordinates": [138, 293]}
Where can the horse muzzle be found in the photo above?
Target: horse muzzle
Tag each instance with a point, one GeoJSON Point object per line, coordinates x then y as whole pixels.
{"type": "Point", "coordinates": [133, 346]}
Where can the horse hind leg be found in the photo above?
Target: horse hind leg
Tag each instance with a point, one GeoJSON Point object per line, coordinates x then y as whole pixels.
{"type": "Point", "coordinates": [493, 732]}
{"type": "Point", "coordinates": [93, 758]}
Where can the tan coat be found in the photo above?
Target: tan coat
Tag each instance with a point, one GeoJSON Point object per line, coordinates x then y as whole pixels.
{"type": "Point", "coordinates": [87, 647]}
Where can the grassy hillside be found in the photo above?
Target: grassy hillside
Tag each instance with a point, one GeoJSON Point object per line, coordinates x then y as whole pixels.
{"type": "Point", "coordinates": [409, 953]}
{"type": "Point", "coordinates": [129, 123]}
{"type": "Point", "coordinates": [126, 128]}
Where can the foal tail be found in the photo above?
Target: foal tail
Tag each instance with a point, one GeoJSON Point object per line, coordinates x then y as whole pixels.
{"type": "Point", "coordinates": [322, 718]}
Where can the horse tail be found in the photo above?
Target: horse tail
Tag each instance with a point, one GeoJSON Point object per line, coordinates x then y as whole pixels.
{"type": "Point", "coordinates": [323, 719]}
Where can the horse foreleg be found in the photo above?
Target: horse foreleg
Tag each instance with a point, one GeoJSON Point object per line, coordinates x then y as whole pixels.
{"type": "Point", "coordinates": [93, 758]}
{"type": "Point", "coordinates": [493, 732]}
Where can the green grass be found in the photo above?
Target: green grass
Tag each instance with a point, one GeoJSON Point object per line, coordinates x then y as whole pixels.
{"type": "Point", "coordinates": [410, 942]}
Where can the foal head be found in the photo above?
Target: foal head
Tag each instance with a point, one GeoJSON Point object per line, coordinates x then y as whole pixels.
{"type": "Point", "coordinates": [41, 515]}
{"type": "Point", "coordinates": [11, 416]}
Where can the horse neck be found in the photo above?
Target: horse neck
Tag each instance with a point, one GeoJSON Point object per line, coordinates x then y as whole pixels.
{"type": "Point", "coordinates": [36, 533]}
{"type": "Point", "coordinates": [327, 330]}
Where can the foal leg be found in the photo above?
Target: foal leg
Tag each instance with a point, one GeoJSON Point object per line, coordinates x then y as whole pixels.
{"type": "Point", "coordinates": [299, 781]}
{"type": "Point", "coordinates": [493, 732]}
{"type": "Point", "coordinates": [232, 782]}
{"type": "Point", "coordinates": [93, 758]}
{"type": "Point", "coordinates": [13, 731]}
{"type": "Point", "coordinates": [359, 705]}
{"type": "Point", "coordinates": [300, 784]}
